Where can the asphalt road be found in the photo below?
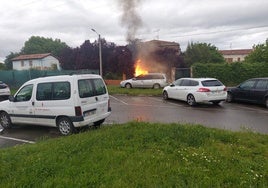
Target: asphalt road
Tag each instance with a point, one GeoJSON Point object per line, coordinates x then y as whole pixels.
{"type": "Point", "coordinates": [230, 116]}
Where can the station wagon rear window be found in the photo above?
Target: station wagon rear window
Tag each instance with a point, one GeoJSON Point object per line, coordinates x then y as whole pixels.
{"type": "Point", "coordinates": [211, 83]}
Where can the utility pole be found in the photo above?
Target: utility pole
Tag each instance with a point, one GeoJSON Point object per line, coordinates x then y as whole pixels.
{"type": "Point", "coordinates": [100, 55]}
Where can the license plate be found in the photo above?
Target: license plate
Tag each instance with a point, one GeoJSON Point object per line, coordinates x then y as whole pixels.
{"type": "Point", "coordinates": [90, 113]}
{"type": "Point", "coordinates": [216, 92]}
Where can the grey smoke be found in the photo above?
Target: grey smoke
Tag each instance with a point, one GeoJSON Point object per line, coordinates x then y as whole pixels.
{"type": "Point", "coordinates": [130, 17]}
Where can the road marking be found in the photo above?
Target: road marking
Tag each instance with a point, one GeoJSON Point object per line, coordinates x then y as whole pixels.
{"type": "Point", "coordinates": [119, 100]}
{"type": "Point", "coordinates": [16, 139]}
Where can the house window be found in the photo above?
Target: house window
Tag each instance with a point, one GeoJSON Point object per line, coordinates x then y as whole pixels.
{"type": "Point", "coordinates": [238, 59]}
{"type": "Point", "coordinates": [22, 63]}
{"type": "Point", "coordinates": [229, 60]}
{"type": "Point", "coordinates": [30, 63]}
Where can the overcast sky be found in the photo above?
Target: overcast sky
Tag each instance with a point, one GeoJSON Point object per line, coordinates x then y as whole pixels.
{"type": "Point", "coordinates": [227, 24]}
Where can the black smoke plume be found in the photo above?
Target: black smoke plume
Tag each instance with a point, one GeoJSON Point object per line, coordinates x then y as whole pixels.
{"type": "Point", "coordinates": [130, 17]}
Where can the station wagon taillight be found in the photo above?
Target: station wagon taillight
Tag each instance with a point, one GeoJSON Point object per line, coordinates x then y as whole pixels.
{"type": "Point", "coordinates": [78, 111]}
{"type": "Point", "coordinates": [225, 89]}
{"type": "Point", "coordinates": [203, 90]}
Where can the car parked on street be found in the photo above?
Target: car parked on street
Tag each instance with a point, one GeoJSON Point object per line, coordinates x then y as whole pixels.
{"type": "Point", "coordinates": [150, 80]}
{"type": "Point", "coordinates": [65, 102]}
{"type": "Point", "coordinates": [4, 91]}
{"type": "Point", "coordinates": [254, 90]}
{"type": "Point", "coordinates": [196, 90]}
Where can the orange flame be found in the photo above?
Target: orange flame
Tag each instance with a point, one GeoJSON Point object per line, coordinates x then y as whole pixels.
{"type": "Point", "coordinates": [139, 69]}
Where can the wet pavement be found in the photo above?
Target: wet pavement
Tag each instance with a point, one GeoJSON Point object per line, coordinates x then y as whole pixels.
{"type": "Point", "coordinates": [229, 116]}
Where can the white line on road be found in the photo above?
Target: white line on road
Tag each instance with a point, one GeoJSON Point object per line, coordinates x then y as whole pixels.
{"type": "Point", "coordinates": [16, 139]}
{"type": "Point", "coordinates": [119, 100]}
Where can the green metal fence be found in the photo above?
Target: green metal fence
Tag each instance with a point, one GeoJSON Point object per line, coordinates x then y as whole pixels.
{"type": "Point", "coordinates": [182, 73]}
{"type": "Point", "coordinates": [15, 78]}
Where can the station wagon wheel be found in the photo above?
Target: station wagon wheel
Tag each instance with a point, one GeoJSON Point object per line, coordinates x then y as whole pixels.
{"type": "Point", "coordinates": [165, 95]}
{"type": "Point", "coordinates": [266, 102]}
{"type": "Point", "coordinates": [128, 85]}
{"type": "Point", "coordinates": [5, 121]}
{"type": "Point", "coordinates": [156, 86]}
{"type": "Point", "coordinates": [191, 100]}
{"type": "Point", "coordinates": [65, 126]}
{"type": "Point", "coordinates": [229, 97]}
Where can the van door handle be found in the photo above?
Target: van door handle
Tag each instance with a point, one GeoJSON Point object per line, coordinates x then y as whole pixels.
{"type": "Point", "coordinates": [96, 98]}
{"type": "Point", "coordinates": [32, 103]}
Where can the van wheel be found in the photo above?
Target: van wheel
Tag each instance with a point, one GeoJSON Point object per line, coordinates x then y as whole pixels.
{"type": "Point", "coordinates": [191, 100]}
{"type": "Point", "coordinates": [266, 102]}
{"type": "Point", "coordinates": [65, 126]}
{"type": "Point", "coordinates": [156, 86]}
{"type": "Point", "coordinates": [98, 123]}
{"type": "Point", "coordinates": [5, 121]}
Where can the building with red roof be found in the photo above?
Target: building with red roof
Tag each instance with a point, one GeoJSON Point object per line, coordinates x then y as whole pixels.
{"type": "Point", "coordinates": [44, 61]}
{"type": "Point", "coordinates": [235, 55]}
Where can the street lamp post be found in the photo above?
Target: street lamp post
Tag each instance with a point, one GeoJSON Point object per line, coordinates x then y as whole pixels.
{"type": "Point", "coordinates": [100, 56]}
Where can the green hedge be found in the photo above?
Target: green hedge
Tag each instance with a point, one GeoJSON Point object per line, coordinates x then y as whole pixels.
{"type": "Point", "coordinates": [231, 74]}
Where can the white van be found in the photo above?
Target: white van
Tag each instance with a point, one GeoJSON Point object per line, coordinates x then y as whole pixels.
{"type": "Point", "coordinates": [65, 102]}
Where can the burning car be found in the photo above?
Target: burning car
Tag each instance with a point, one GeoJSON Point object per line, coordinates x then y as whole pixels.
{"type": "Point", "coordinates": [149, 80]}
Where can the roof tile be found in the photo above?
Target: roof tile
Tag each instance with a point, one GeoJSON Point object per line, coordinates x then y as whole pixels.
{"type": "Point", "coordinates": [31, 56]}
{"type": "Point", "coordinates": [236, 52]}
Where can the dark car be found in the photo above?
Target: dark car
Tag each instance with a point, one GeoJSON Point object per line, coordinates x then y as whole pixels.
{"type": "Point", "coordinates": [254, 90]}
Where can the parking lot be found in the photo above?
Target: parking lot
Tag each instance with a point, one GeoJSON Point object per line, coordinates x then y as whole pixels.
{"type": "Point", "coordinates": [230, 116]}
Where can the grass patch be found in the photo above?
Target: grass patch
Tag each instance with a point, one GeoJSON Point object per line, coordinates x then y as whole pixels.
{"type": "Point", "coordinates": [133, 91]}
{"type": "Point", "coordinates": [113, 89]}
{"type": "Point", "coordinates": [139, 154]}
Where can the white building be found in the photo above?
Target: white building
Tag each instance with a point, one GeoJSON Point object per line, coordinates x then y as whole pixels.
{"type": "Point", "coordinates": [36, 61]}
{"type": "Point", "coordinates": [231, 56]}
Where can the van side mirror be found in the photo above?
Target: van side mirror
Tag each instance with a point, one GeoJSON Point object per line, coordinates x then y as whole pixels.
{"type": "Point", "coordinates": [172, 85]}
{"type": "Point", "coordinates": [11, 98]}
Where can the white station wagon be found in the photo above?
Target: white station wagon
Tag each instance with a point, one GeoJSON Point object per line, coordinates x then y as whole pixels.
{"type": "Point", "coordinates": [196, 90]}
{"type": "Point", "coordinates": [65, 102]}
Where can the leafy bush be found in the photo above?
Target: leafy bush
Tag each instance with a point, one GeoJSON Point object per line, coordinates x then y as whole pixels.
{"type": "Point", "coordinates": [231, 74]}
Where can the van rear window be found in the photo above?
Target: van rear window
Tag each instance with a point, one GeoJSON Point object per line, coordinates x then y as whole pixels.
{"type": "Point", "coordinates": [91, 87]}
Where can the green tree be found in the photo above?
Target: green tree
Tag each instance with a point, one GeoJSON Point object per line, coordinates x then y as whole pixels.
{"type": "Point", "coordinates": [259, 54]}
{"type": "Point", "coordinates": [38, 44]}
{"type": "Point", "coordinates": [2, 66]}
{"type": "Point", "coordinates": [202, 53]}
{"type": "Point", "coordinates": [8, 61]}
